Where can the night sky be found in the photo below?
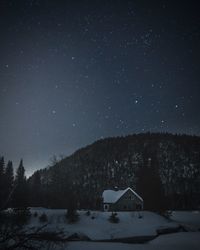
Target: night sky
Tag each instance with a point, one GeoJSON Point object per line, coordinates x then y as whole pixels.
{"type": "Point", "coordinates": [72, 72]}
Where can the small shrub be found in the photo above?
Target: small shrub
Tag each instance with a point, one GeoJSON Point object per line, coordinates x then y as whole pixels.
{"type": "Point", "coordinates": [72, 215]}
{"type": "Point", "coordinates": [113, 218]}
{"type": "Point", "coordinates": [88, 213]}
{"type": "Point", "coordinates": [35, 214]}
{"type": "Point", "coordinates": [93, 216]}
{"type": "Point", "coordinates": [167, 214]}
{"type": "Point", "coordinates": [140, 216]}
{"type": "Point", "coordinates": [43, 218]}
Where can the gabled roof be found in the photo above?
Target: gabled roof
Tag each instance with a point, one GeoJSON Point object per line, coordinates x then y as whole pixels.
{"type": "Point", "coordinates": [112, 196]}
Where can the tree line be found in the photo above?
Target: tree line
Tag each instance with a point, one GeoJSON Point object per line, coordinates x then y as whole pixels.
{"type": "Point", "coordinates": [17, 191]}
{"type": "Point", "coordinates": [13, 187]}
{"type": "Point", "coordinates": [164, 169]}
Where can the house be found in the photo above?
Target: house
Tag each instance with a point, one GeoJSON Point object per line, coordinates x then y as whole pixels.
{"type": "Point", "coordinates": [121, 200]}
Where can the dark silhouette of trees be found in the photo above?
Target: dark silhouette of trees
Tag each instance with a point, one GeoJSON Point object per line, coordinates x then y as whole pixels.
{"type": "Point", "coordinates": [72, 214]}
{"type": "Point", "coordinates": [171, 179]}
{"type": "Point", "coordinates": [20, 196]}
{"type": "Point", "coordinates": [163, 168]}
{"type": "Point", "coordinates": [35, 190]}
{"type": "Point", "coordinates": [150, 187]}
{"type": "Point", "coordinates": [2, 181]}
{"type": "Point", "coordinates": [9, 183]}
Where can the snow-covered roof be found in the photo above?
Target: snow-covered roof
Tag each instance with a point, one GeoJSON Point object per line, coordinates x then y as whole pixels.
{"type": "Point", "coordinates": [112, 196]}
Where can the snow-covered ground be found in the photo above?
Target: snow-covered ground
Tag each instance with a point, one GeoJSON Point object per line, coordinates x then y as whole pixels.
{"type": "Point", "coordinates": [176, 241]}
{"type": "Point", "coordinates": [131, 224]}
{"type": "Point", "coordinates": [96, 226]}
{"type": "Point", "coordinates": [190, 219]}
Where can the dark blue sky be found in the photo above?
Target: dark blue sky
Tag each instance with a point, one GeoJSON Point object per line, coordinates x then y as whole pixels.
{"type": "Point", "coordinates": [72, 72]}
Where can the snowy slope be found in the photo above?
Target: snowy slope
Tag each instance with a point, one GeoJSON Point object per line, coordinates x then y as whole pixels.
{"type": "Point", "coordinates": [177, 241]}
{"type": "Point", "coordinates": [190, 219]}
{"type": "Point", "coordinates": [97, 227]}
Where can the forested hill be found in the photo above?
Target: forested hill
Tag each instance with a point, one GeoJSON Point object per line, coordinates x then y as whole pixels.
{"type": "Point", "coordinates": [161, 165]}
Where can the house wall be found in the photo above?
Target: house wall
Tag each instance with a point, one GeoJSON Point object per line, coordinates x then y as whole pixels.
{"type": "Point", "coordinates": [128, 202]}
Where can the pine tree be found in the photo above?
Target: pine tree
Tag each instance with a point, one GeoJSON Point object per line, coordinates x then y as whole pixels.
{"type": "Point", "coordinates": [2, 181]}
{"type": "Point", "coordinates": [20, 173]}
{"type": "Point", "coordinates": [21, 191]}
{"type": "Point", "coordinates": [9, 182]}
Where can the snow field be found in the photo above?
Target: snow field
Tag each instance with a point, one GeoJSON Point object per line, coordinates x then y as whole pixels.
{"type": "Point", "coordinates": [98, 227]}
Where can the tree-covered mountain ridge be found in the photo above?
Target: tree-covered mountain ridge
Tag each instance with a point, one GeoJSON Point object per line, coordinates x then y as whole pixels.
{"type": "Point", "coordinates": [118, 161]}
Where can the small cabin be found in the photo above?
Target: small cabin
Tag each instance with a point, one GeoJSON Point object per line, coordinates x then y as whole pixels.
{"type": "Point", "coordinates": [122, 200]}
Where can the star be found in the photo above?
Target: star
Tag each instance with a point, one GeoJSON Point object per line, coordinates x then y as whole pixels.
{"type": "Point", "coordinates": [93, 73]}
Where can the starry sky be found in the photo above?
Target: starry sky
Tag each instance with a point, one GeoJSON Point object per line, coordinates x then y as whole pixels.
{"type": "Point", "coordinates": [72, 72]}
